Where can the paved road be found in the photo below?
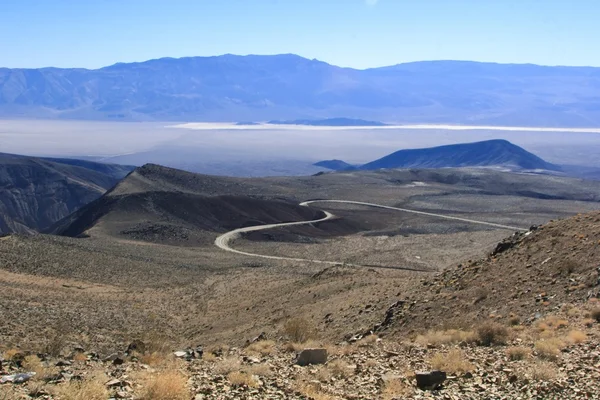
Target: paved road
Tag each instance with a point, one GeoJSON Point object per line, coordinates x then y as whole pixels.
{"type": "Point", "coordinates": [223, 240]}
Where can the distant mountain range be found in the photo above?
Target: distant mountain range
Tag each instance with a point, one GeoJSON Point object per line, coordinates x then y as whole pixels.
{"type": "Point", "coordinates": [489, 153]}
{"type": "Point", "coordinates": [289, 87]}
{"type": "Point", "coordinates": [37, 192]}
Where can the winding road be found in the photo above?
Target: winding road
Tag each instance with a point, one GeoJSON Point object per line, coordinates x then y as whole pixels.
{"type": "Point", "coordinates": [223, 241]}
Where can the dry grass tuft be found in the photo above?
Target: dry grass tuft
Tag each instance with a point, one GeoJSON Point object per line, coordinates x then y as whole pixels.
{"type": "Point", "coordinates": [451, 336]}
{"type": "Point", "coordinates": [209, 357]}
{"type": "Point", "coordinates": [518, 353]}
{"type": "Point", "coordinates": [10, 354]}
{"type": "Point", "coordinates": [396, 389]}
{"type": "Point", "coordinates": [92, 389]}
{"type": "Point", "coordinates": [589, 322]}
{"type": "Point", "coordinates": [368, 341]}
{"type": "Point", "coordinates": [575, 337]}
{"type": "Point", "coordinates": [259, 370]}
{"type": "Point", "coordinates": [543, 371]}
{"type": "Point", "coordinates": [595, 314]}
{"type": "Point", "coordinates": [453, 362]}
{"type": "Point", "coordinates": [167, 385]}
{"type": "Point", "coordinates": [490, 333]}
{"type": "Point", "coordinates": [552, 322]}
{"type": "Point", "coordinates": [299, 330]}
{"type": "Point", "coordinates": [549, 348]}
{"type": "Point", "coordinates": [80, 357]}
{"type": "Point", "coordinates": [240, 378]}
{"type": "Point", "coordinates": [155, 358]}
{"type": "Point", "coordinates": [312, 390]}
{"type": "Point", "coordinates": [227, 365]}
{"type": "Point", "coordinates": [263, 348]}
{"type": "Point", "coordinates": [340, 369]}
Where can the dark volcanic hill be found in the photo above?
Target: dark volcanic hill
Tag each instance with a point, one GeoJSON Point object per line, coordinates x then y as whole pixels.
{"type": "Point", "coordinates": [37, 192]}
{"type": "Point", "coordinates": [488, 153]}
{"type": "Point", "coordinates": [336, 165]}
{"type": "Point", "coordinates": [169, 206]}
{"type": "Point", "coordinates": [289, 87]}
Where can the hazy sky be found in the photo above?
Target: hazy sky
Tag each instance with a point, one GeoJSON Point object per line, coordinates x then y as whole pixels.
{"type": "Point", "coordinates": [354, 33]}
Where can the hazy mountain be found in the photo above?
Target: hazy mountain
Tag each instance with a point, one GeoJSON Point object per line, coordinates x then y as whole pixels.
{"type": "Point", "coordinates": [489, 153]}
{"type": "Point", "coordinates": [336, 165]}
{"type": "Point", "coordinates": [37, 192]}
{"type": "Point", "coordinates": [289, 87]}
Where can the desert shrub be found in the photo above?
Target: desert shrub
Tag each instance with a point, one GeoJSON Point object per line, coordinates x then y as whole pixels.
{"type": "Point", "coordinates": [548, 348]}
{"type": "Point", "coordinates": [239, 378]}
{"type": "Point", "coordinates": [595, 314]}
{"type": "Point", "coordinates": [80, 357]}
{"type": "Point", "coordinates": [167, 385]}
{"type": "Point", "coordinates": [92, 389]}
{"type": "Point", "coordinates": [567, 267]}
{"type": "Point", "coordinates": [368, 340]}
{"type": "Point", "coordinates": [454, 361]}
{"type": "Point", "coordinates": [518, 353]}
{"type": "Point", "coordinates": [263, 348]}
{"type": "Point", "coordinates": [339, 369]}
{"type": "Point", "coordinates": [299, 330]}
{"type": "Point", "coordinates": [514, 321]}
{"type": "Point", "coordinates": [259, 370]}
{"type": "Point", "coordinates": [451, 336]}
{"type": "Point", "coordinates": [229, 364]}
{"type": "Point", "coordinates": [543, 371]}
{"type": "Point", "coordinates": [490, 333]}
{"type": "Point", "coordinates": [396, 389]}
{"type": "Point", "coordinates": [575, 337]}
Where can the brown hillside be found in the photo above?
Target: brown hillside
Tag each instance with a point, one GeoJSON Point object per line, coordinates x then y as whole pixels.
{"type": "Point", "coordinates": [526, 276]}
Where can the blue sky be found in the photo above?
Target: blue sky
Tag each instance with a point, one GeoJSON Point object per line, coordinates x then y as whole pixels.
{"type": "Point", "coordinates": [352, 33]}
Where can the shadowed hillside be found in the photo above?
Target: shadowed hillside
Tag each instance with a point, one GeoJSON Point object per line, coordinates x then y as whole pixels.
{"type": "Point", "coordinates": [37, 192]}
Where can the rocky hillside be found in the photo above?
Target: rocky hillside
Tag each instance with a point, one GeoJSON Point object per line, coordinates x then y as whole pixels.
{"type": "Point", "coordinates": [37, 192]}
{"type": "Point", "coordinates": [165, 205]}
{"type": "Point", "coordinates": [526, 276]}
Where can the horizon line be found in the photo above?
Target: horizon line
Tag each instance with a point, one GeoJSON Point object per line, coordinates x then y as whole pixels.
{"type": "Point", "coordinates": [306, 58]}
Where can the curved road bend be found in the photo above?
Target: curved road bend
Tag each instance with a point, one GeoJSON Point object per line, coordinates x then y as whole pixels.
{"type": "Point", "coordinates": [223, 241]}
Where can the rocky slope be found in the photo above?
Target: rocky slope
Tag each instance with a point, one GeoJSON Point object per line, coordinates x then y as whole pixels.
{"type": "Point", "coordinates": [526, 276]}
{"type": "Point", "coordinates": [37, 192]}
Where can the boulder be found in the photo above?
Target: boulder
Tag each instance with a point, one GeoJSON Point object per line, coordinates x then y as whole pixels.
{"type": "Point", "coordinates": [312, 356]}
{"type": "Point", "coordinates": [430, 380]}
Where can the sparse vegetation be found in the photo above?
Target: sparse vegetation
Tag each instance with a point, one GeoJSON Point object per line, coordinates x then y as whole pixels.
{"type": "Point", "coordinates": [89, 389]}
{"type": "Point", "coordinates": [576, 337]}
{"type": "Point", "coordinates": [299, 330]}
{"type": "Point", "coordinates": [548, 348]}
{"type": "Point", "coordinates": [396, 388]}
{"type": "Point", "coordinates": [263, 348]}
{"type": "Point", "coordinates": [227, 365]}
{"type": "Point", "coordinates": [451, 336]}
{"type": "Point", "coordinates": [543, 371]}
{"type": "Point", "coordinates": [517, 353]}
{"type": "Point", "coordinates": [491, 333]}
{"type": "Point", "coordinates": [240, 378]}
{"type": "Point", "coordinates": [339, 369]}
{"type": "Point", "coordinates": [454, 361]}
{"type": "Point", "coordinates": [166, 385]}
{"type": "Point", "coordinates": [595, 314]}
